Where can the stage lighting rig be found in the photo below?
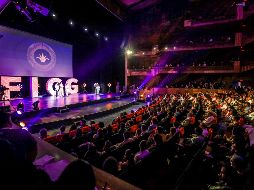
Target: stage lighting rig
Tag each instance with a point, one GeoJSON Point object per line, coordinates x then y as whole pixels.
{"type": "Point", "coordinates": [23, 10]}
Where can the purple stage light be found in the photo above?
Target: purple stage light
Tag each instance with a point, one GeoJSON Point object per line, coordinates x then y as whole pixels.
{"type": "Point", "coordinates": [19, 112]}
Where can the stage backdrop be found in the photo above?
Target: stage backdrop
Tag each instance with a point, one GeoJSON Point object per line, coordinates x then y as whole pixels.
{"type": "Point", "coordinates": [25, 54]}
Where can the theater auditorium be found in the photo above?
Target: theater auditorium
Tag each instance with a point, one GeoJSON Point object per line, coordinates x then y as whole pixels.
{"type": "Point", "coordinates": [127, 95]}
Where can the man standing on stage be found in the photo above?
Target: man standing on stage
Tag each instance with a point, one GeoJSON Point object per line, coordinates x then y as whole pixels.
{"type": "Point", "coordinates": [59, 88]}
{"type": "Point", "coordinates": [97, 88]}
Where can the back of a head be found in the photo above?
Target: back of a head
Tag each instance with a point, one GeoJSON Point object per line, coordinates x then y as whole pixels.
{"type": "Point", "coordinates": [110, 165]}
{"type": "Point", "coordinates": [126, 135]}
{"type": "Point", "coordinates": [23, 141]}
{"type": "Point", "coordinates": [158, 139]}
{"type": "Point", "coordinates": [43, 133]}
{"type": "Point", "coordinates": [160, 129]}
{"type": "Point", "coordinates": [142, 145]}
{"type": "Point", "coordinates": [77, 175]}
{"type": "Point", "coordinates": [7, 154]}
{"type": "Point", "coordinates": [5, 120]}
{"type": "Point", "coordinates": [62, 129]}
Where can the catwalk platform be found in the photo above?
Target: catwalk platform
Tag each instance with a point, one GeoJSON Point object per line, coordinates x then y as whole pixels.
{"type": "Point", "coordinates": [48, 102]}
{"type": "Point", "coordinates": [88, 106]}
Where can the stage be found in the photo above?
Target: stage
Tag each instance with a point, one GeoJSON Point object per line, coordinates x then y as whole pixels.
{"type": "Point", "coordinates": [79, 106]}
{"type": "Point", "coordinates": [48, 102]}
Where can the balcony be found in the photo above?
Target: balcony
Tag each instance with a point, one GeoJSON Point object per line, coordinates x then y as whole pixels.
{"type": "Point", "coordinates": [173, 70]}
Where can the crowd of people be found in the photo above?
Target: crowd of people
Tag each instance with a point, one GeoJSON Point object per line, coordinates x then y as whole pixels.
{"type": "Point", "coordinates": [150, 147]}
{"type": "Point", "coordinates": [199, 84]}
{"type": "Point", "coordinates": [220, 125]}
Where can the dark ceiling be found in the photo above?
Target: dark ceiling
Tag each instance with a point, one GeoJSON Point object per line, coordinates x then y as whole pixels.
{"type": "Point", "coordinates": [91, 15]}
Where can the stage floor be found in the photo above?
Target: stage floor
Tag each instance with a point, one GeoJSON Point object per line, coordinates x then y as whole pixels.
{"type": "Point", "coordinates": [77, 112]}
{"type": "Point", "coordinates": [47, 102]}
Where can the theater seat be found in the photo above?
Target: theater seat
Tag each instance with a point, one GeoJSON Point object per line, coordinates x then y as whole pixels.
{"type": "Point", "coordinates": [85, 129]}
{"type": "Point", "coordinates": [72, 133]}
{"type": "Point", "coordinates": [51, 139]}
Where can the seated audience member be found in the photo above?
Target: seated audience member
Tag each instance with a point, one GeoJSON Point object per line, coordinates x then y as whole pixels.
{"type": "Point", "coordinates": [171, 133]}
{"type": "Point", "coordinates": [92, 155]}
{"type": "Point", "coordinates": [20, 148]}
{"type": "Point", "coordinates": [64, 143]}
{"type": "Point", "coordinates": [83, 123]}
{"type": "Point", "coordinates": [73, 127]}
{"type": "Point", "coordinates": [5, 120]}
{"type": "Point", "coordinates": [43, 133]}
{"type": "Point", "coordinates": [77, 139]}
{"type": "Point", "coordinates": [110, 165]}
{"type": "Point", "coordinates": [157, 142]}
{"type": "Point", "coordinates": [78, 175]}
{"type": "Point", "coordinates": [99, 134]}
{"type": "Point", "coordinates": [24, 143]}
{"type": "Point", "coordinates": [153, 124]}
{"type": "Point", "coordinates": [161, 133]}
{"type": "Point", "coordinates": [107, 147]}
{"type": "Point", "coordinates": [127, 161]}
{"type": "Point", "coordinates": [126, 139]}
{"type": "Point", "coordinates": [137, 134]}
{"type": "Point", "coordinates": [62, 130]}
{"type": "Point", "coordinates": [143, 152]}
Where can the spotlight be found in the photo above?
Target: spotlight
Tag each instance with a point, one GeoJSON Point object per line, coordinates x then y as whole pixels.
{"type": "Point", "coordinates": [129, 52]}
{"type": "Point", "coordinates": [54, 15]}
{"type": "Point", "coordinates": [109, 84]}
{"type": "Point", "coordinates": [106, 38]}
{"type": "Point", "coordinates": [97, 34]}
{"type": "Point", "coordinates": [85, 29]}
{"type": "Point", "coordinates": [36, 105]}
{"type": "Point", "coordinates": [20, 107]}
{"type": "Point", "coordinates": [22, 124]}
{"type": "Point", "coordinates": [71, 23]}
{"type": "Point", "coordinates": [19, 112]}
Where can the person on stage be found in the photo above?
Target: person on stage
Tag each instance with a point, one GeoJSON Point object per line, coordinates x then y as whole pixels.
{"type": "Point", "coordinates": [84, 88]}
{"type": "Point", "coordinates": [97, 88]}
{"type": "Point", "coordinates": [61, 90]}
{"type": "Point", "coordinates": [57, 88]}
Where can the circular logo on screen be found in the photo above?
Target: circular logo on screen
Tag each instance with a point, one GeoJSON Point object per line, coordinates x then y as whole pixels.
{"type": "Point", "coordinates": [41, 56]}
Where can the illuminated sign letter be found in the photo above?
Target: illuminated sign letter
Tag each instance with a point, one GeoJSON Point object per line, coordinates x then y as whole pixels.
{"type": "Point", "coordinates": [50, 85]}
{"type": "Point", "coordinates": [5, 81]}
{"type": "Point", "coordinates": [69, 88]}
{"type": "Point", "coordinates": [34, 87]}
